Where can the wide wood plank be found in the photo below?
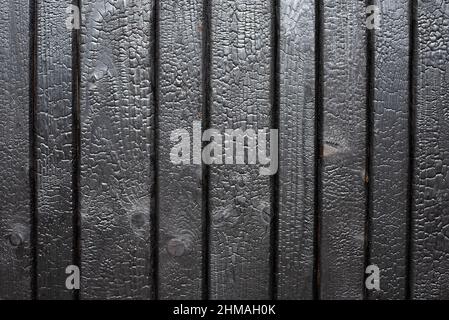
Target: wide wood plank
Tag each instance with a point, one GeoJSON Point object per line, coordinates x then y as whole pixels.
{"type": "Point", "coordinates": [430, 255]}
{"type": "Point", "coordinates": [180, 186]}
{"type": "Point", "coordinates": [297, 149]}
{"type": "Point", "coordinates": [15, 218]}
{"type": "Point", "coordinates": [54, 149]}
{"type": "Point", "coordinates": [239, 196]}
{"type": "Point", "coordinates": [116, 147]}
{"type": "Point", "coordinates": [343, 208]}
{"type": "Point", "coordinates": [390, 149]}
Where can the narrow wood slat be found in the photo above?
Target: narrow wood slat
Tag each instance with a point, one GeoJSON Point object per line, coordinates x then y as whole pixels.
{"type": "Point", "coordinates": [390, 149]}
{"type": "Point", "coordinates": [15, 199]}
{"type": "Point", "coordinates": [180, 186]}
{"type": "Point", "coordinates": [342, 232]}
{"type": "Point", "coordinates": [116, 147]}
{"type": "Point", "coordinates": [430, 237]}
{"type": "Point", "coordinates": [239, 196]}
{"type": "Point", "coordinates": [297, 149]}
{"type": "Point", "coordinates": [54, 149]}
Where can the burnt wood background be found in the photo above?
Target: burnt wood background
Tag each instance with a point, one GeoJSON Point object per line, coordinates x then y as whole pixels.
{"type": "Point", "coordinates": [86, 116]}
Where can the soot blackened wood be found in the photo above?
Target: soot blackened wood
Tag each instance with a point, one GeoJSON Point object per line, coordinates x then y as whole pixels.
{"type": "Point", "coordinates": [54, 149]}
{"type": "Point", "coordinates": [297, 149]}
{"type": "Point", "coordinates": [180, 186]}
{"type": "Point", "coordinates": [430, 255]}
{"type": "Point", "coordinates": [343, 173]}
{"type": "Point", "coordinates": [15, 218]}
{"type": "Point", "coordinates": [116, 142]}
{"type": "Point", "coordinates": [390, 149]}
{"type": "Point", "coordinates": [239, 195]}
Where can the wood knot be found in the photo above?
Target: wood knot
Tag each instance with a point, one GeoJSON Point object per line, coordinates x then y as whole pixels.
{"type": "Point", "coordinates": [176, 247]}
{"type": "Point", "coordinates": [328, 150]}
{"type": "Point", "coordinates": [15, 239]}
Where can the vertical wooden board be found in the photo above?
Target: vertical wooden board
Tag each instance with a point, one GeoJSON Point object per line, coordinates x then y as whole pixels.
{"type": "Point", "coordinates": [297, 149]}
{"type": "Point", "coordinates": [116, 142]}
{"type": "Point", "coordinates": [390, 150]}
{"type": "Point", "coordinates": [180, 188]}
{"type": "Point", "coordinates": [54, 149]}
{"type": "Point", "coordinates": [240, 197]}
{"type": "Point", "coordinates": [343, 151]}
{"type": "Point", "coordinates": [430, 256]}
{"type": "Point", "coordinates": [15, 253]}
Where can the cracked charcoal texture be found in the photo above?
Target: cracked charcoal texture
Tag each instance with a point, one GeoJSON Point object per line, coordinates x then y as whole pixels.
{"type": "Point", "coordinates": [239, 196]}
{"type": "Point", "coordinates": [120, 111]}
{"type": "Point", "coordinates": [15, 196]}
{"type": "Point", "coordinates": [180, 186]}
{"type": "Point", "coordinates": [430, 236]}
{"type": "Point", "coordinates": [297, 149]}
{"type": "Point", "coordinates": [116, 149]}
{"type": "Point", "coordinates": [54, 150]}
{"type": "Point", "coordinates": [390, 149]}
{"type": "Point", "coordinates": [343, 206]}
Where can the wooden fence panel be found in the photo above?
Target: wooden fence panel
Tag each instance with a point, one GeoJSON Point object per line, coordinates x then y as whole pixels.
{"type": "Point", "coordinates": [92, 121]}
{"type": "Point", "coordinates": [239, 196]}
{"type": "Point", "coordinates": [343, 207]}
{"type": "Point", "coordinates": [181, 250]}
{"type": "Point", "coordinates": [117, 115]}
{"type": "Point", "coordinates": [15, 187]}
{"type": "Point", "coordinates": [54, 149]}
{"type": "Point", "coordinates": [297, 150]}
{"type": "Point", "coordinates": [430, 243]}
{"type": "Point", "coordinates": [389, 176]}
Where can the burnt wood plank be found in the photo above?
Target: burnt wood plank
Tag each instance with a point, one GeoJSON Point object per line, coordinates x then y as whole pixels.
{"type": "Point", "coordinates": [54, 149]}
{"type": "Point", "coordinates": [297, 149]}
{"type": "Point", "coordinates": [430, 255]}
{"type": "Point", "coordinates": [116, 148]}
{"type": "Point", "coordinates": [390, 149]}
{"type": "Point", "coordinates": [239, 196]}
{"type": "Point", "coordinates": [180, 185]}
{"type": "Point", "coordinates": [15, 218]}
{"type": "Point", "coordinates": [343, 207]}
